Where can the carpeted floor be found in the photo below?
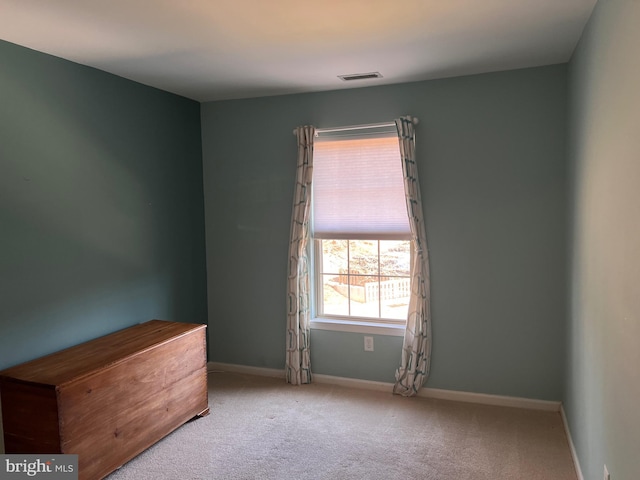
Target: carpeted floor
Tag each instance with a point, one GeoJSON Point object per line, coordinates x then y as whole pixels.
{"type": "Point", "coordinates": [262, 428]}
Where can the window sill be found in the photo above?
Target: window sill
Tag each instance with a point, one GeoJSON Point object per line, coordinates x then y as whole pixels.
{"type": "Point", "coordinates": [344, 325]}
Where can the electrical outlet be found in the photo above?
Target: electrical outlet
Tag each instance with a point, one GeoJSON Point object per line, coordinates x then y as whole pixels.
{"type": "Point", "coordinates": [606, 474]}
{"type": "Point", "coordinates": [368, 344]}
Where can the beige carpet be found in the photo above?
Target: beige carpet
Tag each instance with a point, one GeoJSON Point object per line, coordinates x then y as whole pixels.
{"type": "Point", "coordinates": [262, 428]}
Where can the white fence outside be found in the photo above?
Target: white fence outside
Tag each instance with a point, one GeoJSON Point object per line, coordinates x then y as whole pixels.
{"type": "Point", "coordinates": [373, 291]}
{"type": "Point", "coordinates": [387, 290]}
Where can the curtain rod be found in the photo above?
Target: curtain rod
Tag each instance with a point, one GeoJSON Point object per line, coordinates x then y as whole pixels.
{"type": "Point", "coordinates": [357, 127]}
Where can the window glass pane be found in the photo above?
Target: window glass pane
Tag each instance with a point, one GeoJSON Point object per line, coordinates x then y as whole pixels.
{"type": "Point", "coordinates": [395, 298]}
{"type": "Point", "coordinates": [335, 295]}
{"type": "Point", "coordinates": [350, 284]}
{"type": "Point", "coordinates": [334, 256]}
{"type": "Point", "coordinates": [395, 257]}
{"type": "Point", "coordinates": [363, 257]}
{"type": "Point", "coordinates": [364, 296]}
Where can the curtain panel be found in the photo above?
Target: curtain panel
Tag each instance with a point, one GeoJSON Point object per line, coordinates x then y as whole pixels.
{"type": "Point", "coordinates": [298, 364]}
{"type": "Point", "coordinates": [416, 351]}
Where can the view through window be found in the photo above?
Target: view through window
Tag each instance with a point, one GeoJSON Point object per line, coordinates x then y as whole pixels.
{"type": "Point", "coordinates": [365, 278]}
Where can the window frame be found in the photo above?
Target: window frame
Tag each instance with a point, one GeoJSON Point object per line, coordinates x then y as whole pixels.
{"type": "Point", "coordinates": [318, 288]}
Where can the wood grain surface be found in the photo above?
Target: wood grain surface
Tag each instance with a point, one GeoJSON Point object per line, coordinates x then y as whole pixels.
{"type": "Point", "coordinates": [109, 399]}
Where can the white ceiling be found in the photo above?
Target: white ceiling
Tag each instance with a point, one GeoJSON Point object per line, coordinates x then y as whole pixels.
{"type": "Point", "coordinates": [220, 49]}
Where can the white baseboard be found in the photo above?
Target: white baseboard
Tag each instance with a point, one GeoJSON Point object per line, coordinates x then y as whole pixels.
{"type": "Point", "coordinates": [470, 397]}
{"type": "Point", "coordinates": [488, 399]}
{"type": "Point", "coordinates": [213, 367]}
{"type": "Point", "coordinates": [574, 454]}
{"type": "Point", "coordinates": [353, 382]}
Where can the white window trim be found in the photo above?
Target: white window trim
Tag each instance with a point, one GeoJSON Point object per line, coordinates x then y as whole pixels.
{"type": "Point", "coordinates": [338, 320]}
{"type": "Point", "coordinates": [344, 324]}
{"type": "Point", "coordinates": [347, 325]}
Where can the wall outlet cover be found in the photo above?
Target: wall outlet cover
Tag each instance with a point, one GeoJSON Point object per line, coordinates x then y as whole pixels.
{"type": "Point", "coordinates": [368, 344]}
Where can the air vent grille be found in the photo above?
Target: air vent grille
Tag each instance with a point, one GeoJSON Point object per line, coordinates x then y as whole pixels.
{"type": "Point", "coordinates": [360, 76]}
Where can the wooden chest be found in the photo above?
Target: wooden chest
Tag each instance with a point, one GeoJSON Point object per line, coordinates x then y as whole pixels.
{"type": "Point", "coordinates": [109, 399]}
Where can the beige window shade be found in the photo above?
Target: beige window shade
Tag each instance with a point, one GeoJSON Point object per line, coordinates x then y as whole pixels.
{"type": "Point", "coordinates": [358, 189]}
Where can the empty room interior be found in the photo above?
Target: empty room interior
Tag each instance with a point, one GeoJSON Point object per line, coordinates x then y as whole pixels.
{"type": "Point", "coordinates": [148, 168]}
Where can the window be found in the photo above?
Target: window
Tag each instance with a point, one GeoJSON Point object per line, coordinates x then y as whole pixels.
{"type": "Point", "coordinates": [362, 247]}
{"type": "Point", "coordinates": [364, 278]}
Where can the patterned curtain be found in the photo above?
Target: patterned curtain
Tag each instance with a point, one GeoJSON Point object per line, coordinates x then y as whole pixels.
{"type": "Point", "coordinates": [298, 368]}
{"type": "Point", "coordinates": [416, 350]}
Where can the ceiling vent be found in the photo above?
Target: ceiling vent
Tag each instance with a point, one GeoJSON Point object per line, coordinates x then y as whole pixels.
{"type": "Point", "coordinates": [360, 76]}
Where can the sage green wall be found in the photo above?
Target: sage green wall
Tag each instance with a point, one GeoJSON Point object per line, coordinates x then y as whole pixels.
{"type": "Point", "coordinates": [101, 205]}
{"type": "Point", "coordinates": [492, 160]}
{"type": "Point", "coordinates": [603, 381]}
